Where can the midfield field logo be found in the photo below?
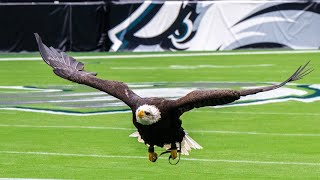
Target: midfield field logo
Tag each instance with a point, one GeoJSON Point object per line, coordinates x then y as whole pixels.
{"type": "Point", "coordinates": [82, 101]}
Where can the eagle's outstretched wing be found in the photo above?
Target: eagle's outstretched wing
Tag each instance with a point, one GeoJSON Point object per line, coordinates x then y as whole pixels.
{"type": "Point", "coordinates": [70, 69]}
{"type": "Point", "coordinates": [201, 98]}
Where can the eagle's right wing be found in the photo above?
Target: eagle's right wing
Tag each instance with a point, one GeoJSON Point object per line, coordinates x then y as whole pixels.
{"type": "Point", "coordinates": [70, 69]}
{"type": "Point", "coordinates": [201, 98]}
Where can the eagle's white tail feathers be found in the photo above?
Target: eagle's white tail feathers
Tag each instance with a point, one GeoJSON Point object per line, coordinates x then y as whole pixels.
{"type": "Point", "coordinates": [137, 135]}
{"type": "Point", "coordinates": [187, 143]}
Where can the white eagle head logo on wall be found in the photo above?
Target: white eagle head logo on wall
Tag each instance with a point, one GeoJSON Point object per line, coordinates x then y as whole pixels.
{"type": "Point", "coordinates": [216, 25]}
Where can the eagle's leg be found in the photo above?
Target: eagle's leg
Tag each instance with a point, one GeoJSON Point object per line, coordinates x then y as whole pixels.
{"type": "Point", "coordinates": [173, 151]}
{"type": "Point", "coordinates": [152, 155]}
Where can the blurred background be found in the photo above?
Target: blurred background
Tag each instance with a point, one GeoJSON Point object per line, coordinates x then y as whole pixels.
{"type": "Point", "coordinates": [122, 25]}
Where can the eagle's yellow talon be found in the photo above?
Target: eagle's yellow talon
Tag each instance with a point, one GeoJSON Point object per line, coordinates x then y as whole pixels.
{"type": "Point", "coordinates": [153, 156]}
{"type": "Point", "coordinates": [174, 154]}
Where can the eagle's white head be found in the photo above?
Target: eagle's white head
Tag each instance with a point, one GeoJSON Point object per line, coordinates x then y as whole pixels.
{"type": "Point", "coordinates": [148, 114]}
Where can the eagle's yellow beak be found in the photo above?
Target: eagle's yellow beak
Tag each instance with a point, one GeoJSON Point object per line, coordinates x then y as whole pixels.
{"type": "Point", "coordinates": [141, 114]}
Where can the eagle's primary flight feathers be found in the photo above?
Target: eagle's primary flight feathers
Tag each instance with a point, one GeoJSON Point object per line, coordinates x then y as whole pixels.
{"type": "Point", "coordinates": [157, 119]}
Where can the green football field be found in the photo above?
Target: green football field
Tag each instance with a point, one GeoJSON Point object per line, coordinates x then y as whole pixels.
{"type": "Point", "coordinates": [51, 128]}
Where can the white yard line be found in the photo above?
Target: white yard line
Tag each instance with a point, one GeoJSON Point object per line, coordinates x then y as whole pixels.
{"type": "Point", "coordinates": [191, 131]}
{"type": "Point", "coordinates": [30, 88]}
{"type": "Point", "coordinates": [201, 66]}
{"type": "Point", "coordinates": [64, 113]}
{"type": "Point", "coordinates": [260, 113]}
{"type": "Point", "coordinates": [255, 133]}
{"type": "Point", "coordinates": [68, 127]}
{"type": "Point", "coordinates": [158, 55]}
{"type": "Point", "coordinates": [144, 157]}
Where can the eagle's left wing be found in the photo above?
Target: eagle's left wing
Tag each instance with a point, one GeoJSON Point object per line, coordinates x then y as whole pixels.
{"type": "Point", "coordinates": [201, 98]}
{"type": "Point", "coordinates": [68, 68]}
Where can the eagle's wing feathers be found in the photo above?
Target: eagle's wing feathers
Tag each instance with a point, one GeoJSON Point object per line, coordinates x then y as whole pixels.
{"type": "Point", "coordinates": [201, 98]}
{"type": "Point", "coordinates": [298, 74]}
{"type": "Point", "coordinates": [70, 69]}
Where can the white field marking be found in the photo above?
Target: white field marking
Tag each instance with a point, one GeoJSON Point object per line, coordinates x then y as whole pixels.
{"type": "Point", "coordinates": [69, 127]}
{"type": "Point", "coordinates": [91, 99]}
{"type": "Point", "coordinates": [192, 131]}
{"type": "Point", "coordinates": [143, 157]}
{"type": "Point", "coordinates": [307, 100]}
{"type": "Point", "coordinates": [169, 55]}
{"type": "Point", "coordinates": [30, 88]}
{"type": "Point", "coordinates": [261, 113]}
{"type": "Point", "coordinates": [191, 67]}
{"type": "Point", "coordinates": [64, 113]}
{"type": "Point", "coordinates": [255, 133]}
{"type": "Point", "coordinates": [77, 94]}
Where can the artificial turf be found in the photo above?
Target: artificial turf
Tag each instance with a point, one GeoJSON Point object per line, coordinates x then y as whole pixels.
{"type": "Point", "coordinates": [268, 141]}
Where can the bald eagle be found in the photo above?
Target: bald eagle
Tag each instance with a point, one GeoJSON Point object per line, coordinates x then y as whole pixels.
{"type": "Point", "coordinates": [156, 119]}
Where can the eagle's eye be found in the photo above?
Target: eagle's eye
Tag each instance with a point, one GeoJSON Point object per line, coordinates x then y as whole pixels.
{"type": "Point", "coordinates": [147, 113]}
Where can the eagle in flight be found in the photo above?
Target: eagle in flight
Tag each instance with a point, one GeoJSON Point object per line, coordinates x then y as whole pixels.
{"type": "Point", "coordinates": [156, 119]}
